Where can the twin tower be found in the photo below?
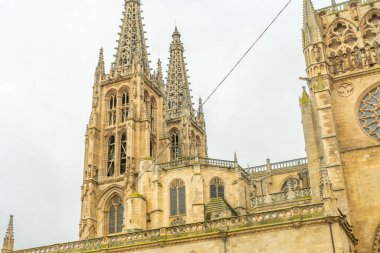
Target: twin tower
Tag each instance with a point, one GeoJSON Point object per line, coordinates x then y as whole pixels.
{"type": "Point", "coordinates": [137, 121]}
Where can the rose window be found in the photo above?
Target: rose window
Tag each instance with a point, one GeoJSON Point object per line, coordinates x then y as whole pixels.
{"type": "Point", "coordinates": [369, 113]}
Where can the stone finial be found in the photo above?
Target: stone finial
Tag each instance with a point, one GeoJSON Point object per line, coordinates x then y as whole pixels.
{"type": "Point", "coordinates": [8, 244]}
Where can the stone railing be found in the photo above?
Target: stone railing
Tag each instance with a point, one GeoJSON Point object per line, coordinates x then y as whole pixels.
{"type": "Point", "coordinates": [199, 161]}
{"type": "Point", "coordinates": [296, 163]}
{"type": "Point", "coordinates": [302, 193]}
{"type": "Point", "coordinates": [343, 5]}
{"type": "Point", "coordinates": [121, 240]}
{"type": "Point", "coordinates": [280, 197]}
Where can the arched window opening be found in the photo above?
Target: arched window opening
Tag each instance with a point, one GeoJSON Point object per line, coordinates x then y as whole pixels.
{"type": "Point", "coordinates": [115, 216]}
{"type": "Point", "coordinates": [153, 116]}
{"type": "Point", "coordinates": [112, 110]}
{"type": "Point", "coordinates": [123, 153]}
{"type": "Point", "coordinates": [152, 147]}
{"type": "Point", "coordinates": [177, 198]}
{"type": "Point", "coordinates": [175, 146]}
{"type": "Point", "coordinates": [291, 183]}
{"type": "Point", "coordinates": [216, 188]}
{"type": "Point", "coordinates": [111, 156]}
{"type": "Point", "coordinates": [124, 107]}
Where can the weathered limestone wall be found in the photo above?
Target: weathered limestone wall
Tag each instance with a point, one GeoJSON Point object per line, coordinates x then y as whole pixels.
{"type": "Point", "coordinates": [360, 158]}
{"type": "Point", "coordinates": [304, 239]}
{"type": "Point", "coordinates": [362, 172]}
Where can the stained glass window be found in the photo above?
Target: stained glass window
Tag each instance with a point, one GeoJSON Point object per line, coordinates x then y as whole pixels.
{"type": "Point", "coordinates": [115, 216]}
{"type": "Point", "coordinates": [216, 188]}
{"type": "Point", "coordinates": [177, 198]}
{"type": "Point", "coordinates": [369, 113]}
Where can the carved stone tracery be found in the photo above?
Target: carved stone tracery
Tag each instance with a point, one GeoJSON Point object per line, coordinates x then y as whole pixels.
{"type": "Point", "coordinates": [369, 113]}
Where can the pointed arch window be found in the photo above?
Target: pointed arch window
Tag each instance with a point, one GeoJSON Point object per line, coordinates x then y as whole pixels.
{"type": "Point", "coordinates": [124, 106]}
{"type": "Point", "coordinates": [216, 188]}
{"type": "Point", "coordinates": [153, 116]}
{"type": "Point", "coordinates": [111, 156]}
{"type": "Point", "coordinates": [291, 183]}
{"type": "Point", "coordinates": [112, 110]}
{"type": "Point", "coordinates": [174, 146]}
{"type": "Point", "coordinates": [115, 216]}
{"type": "Point", "coordinates": [152, 147]}
{"type": "Point", "coordinates": [177, 198]}
{"type": "Point", "coordinates": [123, 153]}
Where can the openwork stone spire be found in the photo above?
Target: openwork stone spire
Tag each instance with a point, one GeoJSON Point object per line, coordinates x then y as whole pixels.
{"type": "Point", "coordinates": [131, 45]}
{"type": "Point", "coordinates": [178, 91]}
{"type": "Point", "coordinates": [311, 32]}
{"type": "Point", "coordinates": [8, 244]}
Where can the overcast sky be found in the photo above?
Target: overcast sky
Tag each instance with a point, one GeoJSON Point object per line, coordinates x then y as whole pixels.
{"type": "Point", "coordinates": [48, 53]}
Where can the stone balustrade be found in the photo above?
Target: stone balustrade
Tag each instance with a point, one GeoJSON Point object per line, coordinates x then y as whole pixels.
{"type": "Point", "coordinates": [280, 197]}
{"type": "Point", "coordinates": [286, 165]}
{"type": "Point", "coordinates": [117, 241]}
{"type": "Point", "coordinates": [199, 161]}
{"type": "Point", "coordinates": [343, 5]}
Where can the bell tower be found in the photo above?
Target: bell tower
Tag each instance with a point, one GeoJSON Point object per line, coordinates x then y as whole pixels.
{"type": "Point", "coordinates": [136, 122]}
{"type": "Point", "coordinates": [341, 113]}
{"type": "Point", "coordinates": [125, 128]}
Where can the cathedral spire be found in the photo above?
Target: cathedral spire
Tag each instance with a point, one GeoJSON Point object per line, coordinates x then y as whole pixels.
{"type": "Point", "coordinates": [131, 44]}
{"type": "Point", "coordinates": [311, 32]}
{"type": "Point", "coordinates": [8, 244]}
{"type": "Point", "coordinates": [178, 91]}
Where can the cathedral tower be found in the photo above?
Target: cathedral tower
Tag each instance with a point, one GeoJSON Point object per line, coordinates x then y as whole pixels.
{"type": "Point", "coordinates": [135, 123]}
{"type": "Point", "coordinates": [341, 115]}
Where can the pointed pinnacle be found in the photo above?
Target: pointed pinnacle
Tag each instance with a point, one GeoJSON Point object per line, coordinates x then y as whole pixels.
{"type": "Point", "coordinates": [10, 228]}
{"type": "Point", "coordinates": [9, 236]}
{"type": "Point", "coordinates": [235, 157]}
{"type": "Point", "coordinates": [176, 32]}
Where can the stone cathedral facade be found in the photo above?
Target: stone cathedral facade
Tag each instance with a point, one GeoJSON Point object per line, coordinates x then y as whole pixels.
{"type": "Point", "coordinates": [149, 185]}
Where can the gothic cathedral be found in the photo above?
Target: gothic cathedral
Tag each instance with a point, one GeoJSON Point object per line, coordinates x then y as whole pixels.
{"type": "Point", "coordinates": [149, 185]}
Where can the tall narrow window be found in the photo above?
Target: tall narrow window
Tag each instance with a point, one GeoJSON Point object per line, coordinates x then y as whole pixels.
{"type": "Point", "coordinates": [175, 146]}
{"type": "Point", "coordinates": [153, 116]}
{"type": "Point", "coordinates": [124, 107]}
{"type": "Point", "coordinates": [115, 216]}
{"type": "Point", "coordinates": [112, 110]}
{"type": "Point", "coordinates": [123, 153]}
{"type": "Point", "coordinates": [152, 147]}
{"type": "Point", "coordinates": [111, 156]}
{"type": "Point", "coordinates": [216, 188]}
{"type": "Point", "coordinates": [177, 198]}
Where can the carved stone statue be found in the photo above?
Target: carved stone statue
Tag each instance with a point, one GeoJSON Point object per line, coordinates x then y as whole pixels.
{"type": "Point", "coordinates": [317, 53]}
{"type": "Point", "coordinates": [346, 63]}
{"type": "Point", "coordinates": [363, 58]}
